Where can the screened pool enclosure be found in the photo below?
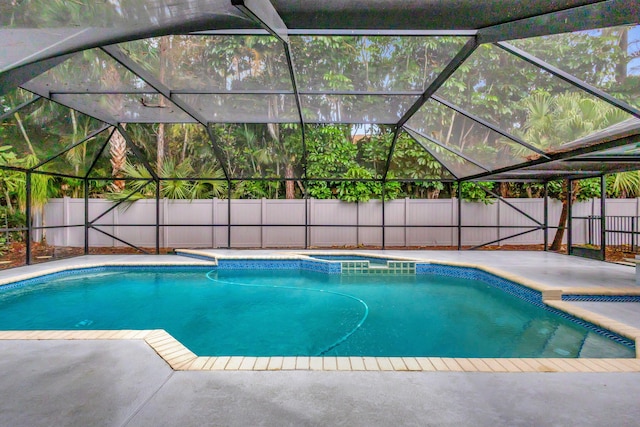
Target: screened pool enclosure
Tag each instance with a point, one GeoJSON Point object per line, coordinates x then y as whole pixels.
{"type": "Point", "coordinates": [242, 99]}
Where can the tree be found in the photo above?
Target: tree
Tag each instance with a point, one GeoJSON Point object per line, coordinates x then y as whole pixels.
{"type": "Point", "coordinates": [560, 119]}
{"type": "Point", "coordinates": [118, 160]}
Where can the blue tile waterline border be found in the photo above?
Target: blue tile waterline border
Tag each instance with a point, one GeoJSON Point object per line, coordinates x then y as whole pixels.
{"type": "Point", "coordinates": [601, 298]}
{"type": "Point", "coordinates": [519, 291]}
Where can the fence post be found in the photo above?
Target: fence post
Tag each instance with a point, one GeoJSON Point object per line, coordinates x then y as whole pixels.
{"type": "Point", "coordinates": [498, 222]}
{"type": "Point", "coordinates": [603, 218]}
{"type": "Point", "coordinates": [306, 216]}
{"type": "Point", "coordinates": [214, 206]}
{"type": "Point", "coordinates": [166, 219]}
{"type": "Point", "coordinates": [28, 219]}
{"type": "Point", "coordinates": [546, 215]}
{"type": "Point", "coordinates": [383, 219]}
{"type": "Point", "coordinates": [357, 223]}
{"type": "Point", "coordinates": [86, 217]}
{"type": "Point", "coordinates": [229, 215]}
{"type": "Point", "coordinates": [569, 215]}
{"type": "Point", "coordinates": [452, 220]}
{"type": "Point", "coordinates": [116, 229]}
{"type": "Point", "coordinates": [633, 233]}
{"type": "Point", "coordinates": [66, 212]}
{"type": "Point", "coordinates": [406, 215]}
{"type": "Point", "coordinates": [157, 216]}
{"type": "Point", "coordinates": [459, 216]}
{"type": "Point", "coordinates": [310, 222]}
{"type": "Point", "coordinates": [263, 215]}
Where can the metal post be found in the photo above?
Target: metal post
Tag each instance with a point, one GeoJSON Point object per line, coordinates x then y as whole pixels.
{"type": "Point", "coordinates": [633, 234]}
{"type": "Point", "coordinates": [157, 217]}
{"type": "Point", "coordinates": [229, 214]}
{"type": "Point", "coordinates": [459, 196]}
{"type": "Point", "coordinates": [383, 222]}
{"type": "Point", "coordinates": [357, 223]}
{"type": "Point", "coordinates": [546, 215]}
{"type": "Point", "coordinates": [28, 219]}
{"type": "Point", "coordinates": [86, 216]}
{"type": "Point", "coordinates": [569, 214]}
{"type": "Point", "coordinates": [603, 218]}
{"type": "Point", "coordinates": [306, 216]}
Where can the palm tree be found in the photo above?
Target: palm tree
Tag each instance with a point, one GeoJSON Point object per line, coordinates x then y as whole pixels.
{"type": "Point", "coordinates": [40, 188]}
{"type": "Point", "coordinates": [555, 120]}
{"type": "Point", "coordinates": [118, 153]}
{"type": "Point", "coordinates": [9, 180]}
{"type": "Point", "coordinates": [626, 184]}
{"type": "Point", "coordinates": [171, 189]}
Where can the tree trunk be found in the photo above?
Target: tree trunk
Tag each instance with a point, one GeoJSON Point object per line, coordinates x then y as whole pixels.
{"type": "Point", "coordinates": [160, 148]}
{"type": "Point", "coordinates": [290, 189]}
{"type": "Point", "coordinates": [562, 223]}
{"type": "Point", "coordinates": [557, 240]}
{"type": "Point", "coordinates": [24, 133]}
{"type": "Point", "coordinates": [7, 197]}
{"type": "Point", "coordinates": [621, 67]}
{"type": "Point", "coordinates": [504, 189]}
{"type": "Point", "coordinates": [433, 194]}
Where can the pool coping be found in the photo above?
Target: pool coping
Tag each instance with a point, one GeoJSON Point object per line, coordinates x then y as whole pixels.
{"type": "Point", "coordinates": [180, 358]}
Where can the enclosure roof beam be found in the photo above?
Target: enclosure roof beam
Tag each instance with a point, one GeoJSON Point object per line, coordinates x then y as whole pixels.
{"type": "Point", "coordinates": [117, 54]}
{"type": "Point", "coordinates": [433, 154]}
{"type": "Point", "coordinates": [596, 15]}
{"type": "Point", "coordinates": [82, 141]}
{"type": "Point", "coordinates": [137, 152]}
{"type": "Point", "coordinates": [559, 156]}
{"type": "Point", "coordinates": [97, 156]}
{"type": "Point", "coordinates": [606, 159]}
{"type": "Point", "coordinates": [13, 78]}
{"type": "Point", "coordinates": [452, 66]}
{"type": "Point", "coordinates": [263, 13]}
{"type": "Point", "coordinates": [217, 151]}
{"type": "Point", "coordinates": [19, 107]}
{"type": "Point", "coordinates": [59, 175]}
{"type": "Point", "coordinates": [338, 32]}
{"type": "Point", "coordinates": [123, 59]}
{"type": "Point", "coordinates": [489, 125]}
{"type": "Point", "coordinates": [449, 149]}
{"type": "Point", "coordinates": [13, 168]}
{"type": "Point", "coordinates": [392, 148]}
{"type": "Point", "coordinates": [569, 79]}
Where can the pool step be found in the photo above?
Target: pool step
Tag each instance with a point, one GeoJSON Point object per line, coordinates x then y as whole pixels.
{"type": "Point", "coordinates": [197, 255]}
{"type": "Point", "coordinates": [535, 337]}
{"type": "Point", "coordinates": [365, 267]}
{"type": "Point", "coordinates": [564, 342]}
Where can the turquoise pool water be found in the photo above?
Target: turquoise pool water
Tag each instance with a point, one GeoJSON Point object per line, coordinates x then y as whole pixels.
{"type": "Point", "coordinates": [287, 313]}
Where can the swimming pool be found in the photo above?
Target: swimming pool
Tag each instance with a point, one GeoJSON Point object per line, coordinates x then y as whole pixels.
{"type": "Point", "coordinates": [296, 312]}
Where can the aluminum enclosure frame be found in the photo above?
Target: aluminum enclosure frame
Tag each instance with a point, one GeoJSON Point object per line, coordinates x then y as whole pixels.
{"type": "Point", "coordinates": [265, 19]}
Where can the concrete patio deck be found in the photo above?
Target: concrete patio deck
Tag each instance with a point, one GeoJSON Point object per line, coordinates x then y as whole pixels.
{"type": "Point", "coordinates": [125, 383]}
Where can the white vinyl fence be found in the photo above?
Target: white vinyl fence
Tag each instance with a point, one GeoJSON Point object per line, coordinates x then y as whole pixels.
{"type": "Point", "coordinates": [281, 223]}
